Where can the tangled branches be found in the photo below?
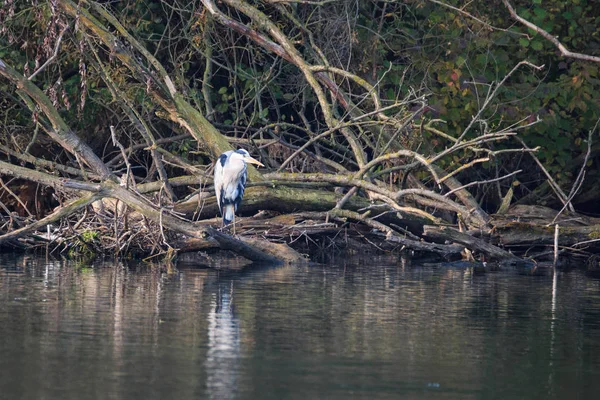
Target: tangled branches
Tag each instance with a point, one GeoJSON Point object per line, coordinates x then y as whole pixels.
{"type": "Point", "coordinates": [345, 149]}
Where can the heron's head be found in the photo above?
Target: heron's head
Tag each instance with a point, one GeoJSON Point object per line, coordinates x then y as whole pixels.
{"type": "Point", "coordinates": [241, 154]}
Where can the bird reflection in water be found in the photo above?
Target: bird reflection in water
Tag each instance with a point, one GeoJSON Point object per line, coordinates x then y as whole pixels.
{"type": "Point", "coordinates": [223, 357]}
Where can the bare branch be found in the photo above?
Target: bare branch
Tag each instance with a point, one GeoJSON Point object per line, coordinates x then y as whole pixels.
{"type": "Point", "coordinates": [483, 182]}
{"type": "Point", "coordinates": [60, 131]}
{"type": "Point", "coordinates": [49, 60]}
{"type": "Point", "coordinates": [581, 176]}
{"type": "Point", "coordinates": [474, 18]}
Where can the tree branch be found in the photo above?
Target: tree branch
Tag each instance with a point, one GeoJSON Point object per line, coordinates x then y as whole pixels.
{"type": "Point", "coordinates": [60, 131]}
{"type": "Point", "coordinates": [552, 39]}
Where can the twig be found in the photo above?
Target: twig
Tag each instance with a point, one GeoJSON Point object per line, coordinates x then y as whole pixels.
{"type": "Point", "coordinates": [474, 18]}
{"type": "Point", "coordinates": [581, 176]}
{"type": "Point", "coordinates": [55, 216]}
{"type": "Point", "coordinates": [442, 201]}
{"type": "Point", "coordinates": [33, 138]}
{"type": "Point", "coordinates": [431, 129]}
{"type": "Point", "coordinates": [463, 167]}
{"type": "Point", "coordinates": [557, 190]}
{"type": "Point", "coordinates": [39, 162]}
{"type": "Point", "coordinates": [472, 243]}
{"type": "Point", "coordinates": [492, 95]}
{"type": "Point", "coordinates": [586, 242]}
{"type": "Point", "coordinates": [15, 196]}
{"type": "Point", "coordinates": [113, 135]}
{"type": "Point", "coordinates": [393, 236]}
{"type": "Point", "coordinates": [311, 2]}
{"type": "Point", "coordinates": [49, 60]}
{"type": "Point", "coordinates": [340, 204]}
{"type": "Point", "coordinates": [398, 154]}
{"type": "Point", "coordinates": [139, 146]}
{"type": "Point", "coordinates": [137, 121]}
{"type": "Point", "coordinates": [482, 182]}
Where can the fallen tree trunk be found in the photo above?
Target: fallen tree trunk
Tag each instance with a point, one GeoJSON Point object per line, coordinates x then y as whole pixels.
{"type": "Point", "coordinates": [529, 226]}
{"type": "Point", "coordinates": [446, 233]}
{"type": "Point", "coordinates": [276, 198]}
{"type": "Point", "coordinates": [526, 234]}
{"type": "Point", "coordinates": [324, 220]}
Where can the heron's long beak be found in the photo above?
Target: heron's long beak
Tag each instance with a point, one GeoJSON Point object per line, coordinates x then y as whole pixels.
{"type": "Point", "coordinates": [253, 161]}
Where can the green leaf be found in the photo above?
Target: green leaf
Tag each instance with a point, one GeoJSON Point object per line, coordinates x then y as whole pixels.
{"type": "Point", "coordinates": [540, 12]}
{"type": "Point", "coordinates": [524, 42]}
{"type": "Point", "coordinates": [481, 59]}
{"type": "Point", "coordinates": [537, 45]}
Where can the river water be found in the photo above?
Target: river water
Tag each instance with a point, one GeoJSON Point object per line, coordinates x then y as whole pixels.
{"type": "Point", "coordinates": [371, 328]}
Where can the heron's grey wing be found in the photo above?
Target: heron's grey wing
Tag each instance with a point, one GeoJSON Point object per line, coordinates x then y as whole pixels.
{"type": "Point", "coordinates": [241, 186]}
{"type": "Point", "coordinates": [219, 179]}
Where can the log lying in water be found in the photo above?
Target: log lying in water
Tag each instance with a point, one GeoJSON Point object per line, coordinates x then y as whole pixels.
{"type": "Point", "coordinates": [529, 226]}
{"type": "Point", "coordinates": [472, 243]}
{"type": "Point", "coordinates": [531, 234]}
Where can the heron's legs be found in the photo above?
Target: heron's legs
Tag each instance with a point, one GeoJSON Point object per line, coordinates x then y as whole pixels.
{"type": "Point", "coordinates": [233, 224]}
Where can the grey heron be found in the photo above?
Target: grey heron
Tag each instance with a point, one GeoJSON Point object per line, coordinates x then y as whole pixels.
{"type": "Point", "coordinates": [230, 181]}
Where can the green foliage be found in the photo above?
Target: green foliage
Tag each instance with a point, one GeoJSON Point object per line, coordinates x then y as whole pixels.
{"type": "Point", "coordinates": [454, 51]}
{"type": "Point", "coordinates": [85, 245]}
{"type": "Point", "coordinates": [399, 46]}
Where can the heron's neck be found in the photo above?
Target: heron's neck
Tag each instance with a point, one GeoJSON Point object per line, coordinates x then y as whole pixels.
{"type": "Point", "coordinates": [236, 165]}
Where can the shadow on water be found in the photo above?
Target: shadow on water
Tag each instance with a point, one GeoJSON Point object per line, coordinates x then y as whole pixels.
{"type": "Point", "coordinates": [363, 327]}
